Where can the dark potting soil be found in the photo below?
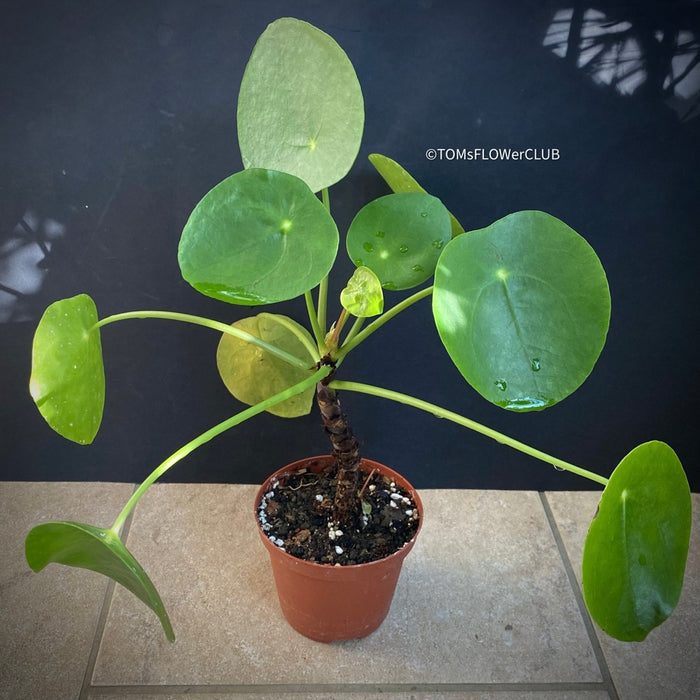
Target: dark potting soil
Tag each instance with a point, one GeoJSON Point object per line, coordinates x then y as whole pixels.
{"type": "Point", "coordinates": [296, 515]}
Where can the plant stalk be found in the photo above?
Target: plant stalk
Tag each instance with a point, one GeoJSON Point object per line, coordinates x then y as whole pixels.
{"type": "Point", "coordinates": [208, 323]}
{"type": "Point", "coordinates": [346, 452]}
{"type": "Point", "coordinates": [381, 320]}
{"type": "Point", "coordinates": [192, 445]}
{"type": "Point", "coordinates": [467, 423]}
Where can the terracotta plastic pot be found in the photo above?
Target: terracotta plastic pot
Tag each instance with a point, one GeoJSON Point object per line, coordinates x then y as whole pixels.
{"type": "Point", "coordinates": [331, 603]}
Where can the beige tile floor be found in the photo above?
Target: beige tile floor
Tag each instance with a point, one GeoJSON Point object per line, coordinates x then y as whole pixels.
{"type": "Point", "coordinates": [493, 612]}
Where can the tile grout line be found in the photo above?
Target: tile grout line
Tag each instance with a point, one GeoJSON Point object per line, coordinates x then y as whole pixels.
{"type": "Point", "coordinates": [102, 620]}
{"type": "Point", "coordinates": [578, 595]}
{"type": "Point", "coordinates": [339, 688]}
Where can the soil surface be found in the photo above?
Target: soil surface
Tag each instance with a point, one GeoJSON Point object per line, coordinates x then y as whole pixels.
{"type": "Point", "coordinates": [296, 515]}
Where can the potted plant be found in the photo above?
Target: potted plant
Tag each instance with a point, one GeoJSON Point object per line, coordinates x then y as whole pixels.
{"type": "Point", "coordinates": [521, 306]}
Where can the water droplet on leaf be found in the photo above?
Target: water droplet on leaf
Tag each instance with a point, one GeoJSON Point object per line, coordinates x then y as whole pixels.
{"type": "Point", "coordinates": [380, 234]}
{"type": "Point", "coordinates": [417, 268]}
{"type": "Point", "coordinates": [501, 384]}
{"type": "Point", "coordinates": [424, 214]}
{"type": "Point", "coordinates": [368, 246]}
{"type": "Point", "coordinates": [535, 365]}
{"type": "Point", "coordinates": [403, 249]}
{"type": "Point", "coordinates": [438, 244]}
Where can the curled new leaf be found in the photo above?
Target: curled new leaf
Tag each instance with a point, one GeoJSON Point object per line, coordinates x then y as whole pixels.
{"type": "Point", "coordinates": [96, 549]}
{"type": "Point", "coordinates": [636, 549]}
{"type": "Point", "coordinates": [67, 381]}
{"type": "Point", "coordinates": [363, 296]}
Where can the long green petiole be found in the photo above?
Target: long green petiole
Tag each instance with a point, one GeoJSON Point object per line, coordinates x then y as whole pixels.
{"type": "Point", "coordinates": [208, 323]}
{"type": "Point", "coordinates": [467, 423]}
{"type": "Point", "coordinates": [313, 319]}
{"type": "Point", "coordinates": [381, 320]}
{"type": "Point", "coordinates": [192, 445]}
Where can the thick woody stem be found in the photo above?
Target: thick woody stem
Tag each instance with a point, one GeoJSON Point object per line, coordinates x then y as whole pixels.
{"type": "Point", "coordinates": [346, 451]}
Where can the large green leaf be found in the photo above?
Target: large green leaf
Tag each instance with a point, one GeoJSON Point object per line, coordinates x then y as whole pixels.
{"type": "Point", "coordinates": [523, 309]}
{"type": "Point", "coordinates": [258, 237]}
{"type": "Point", "coordinates": [89, 547]}
{"type": "Point", "coordinates": [636, 549]}
{"type": "Point", "coordinates": [67, 380]}
{"type": "Point", "coordinates": [400, 238]}
{"type": "Point", "coordinates": [300, 107]}
{"type": "Point", "coordinates": [400, 180]}
{"type": "Point", "coordinates": [252, 375]}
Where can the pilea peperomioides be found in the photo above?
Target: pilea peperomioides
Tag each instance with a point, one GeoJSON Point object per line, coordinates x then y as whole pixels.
{"type": "Point", "coordinates": [521, 306]}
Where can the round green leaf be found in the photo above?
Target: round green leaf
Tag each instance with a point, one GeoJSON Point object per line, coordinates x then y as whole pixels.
{"type": "Point", "coordinates": [636, 549]}
{"type": "Point", "coordinates": [96, 549]}
{"type": "Point", "coordinates": [300, 106]}
{"type": "Point", "coordinates": [400, 238]}
{"type": "Point", "coordinates": [523, 309]}
{"type": "Point", "coordinates": [400, 180]}
{"type": "Point", "coordinates": [252, 375]}
{"type": "Point", "coordinates": [258, 237]}
{"type": "Point", "coordinates": [67, 380]}
{"type": "Point", "coordinates": [363, 296]}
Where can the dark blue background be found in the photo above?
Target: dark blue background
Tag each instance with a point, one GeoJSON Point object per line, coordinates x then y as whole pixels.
{"type": "Point", "coordinates": [118, 116]}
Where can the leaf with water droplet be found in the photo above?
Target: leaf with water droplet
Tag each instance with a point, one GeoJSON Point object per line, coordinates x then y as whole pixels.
{"type": "Point", "coordinates": [400, 180]}
{"type": "Point", "coordinates": [636, 549]}
{"type": "Point", "coordinates": [525, 299]}
{"type": "Point", "coordinates": [67, 380]}
{"type": "Point", "coordinates": [406, 255]}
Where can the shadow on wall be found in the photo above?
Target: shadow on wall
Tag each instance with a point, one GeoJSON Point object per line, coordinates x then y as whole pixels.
{"type": "Point", "coordinates": [634, 51]}
{"type": "Point", "coordinates": [25, 256]}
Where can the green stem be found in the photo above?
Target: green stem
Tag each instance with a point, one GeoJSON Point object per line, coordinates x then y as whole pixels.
{"type": "Point", "coordinates": [322, 304]}
{"type": "Point", "coordinates": [185, 450]}
{"type": "Point", "coordinates": [323, 287]}
{"type": "Point", "coordinates": [379, 322]}
{"type": "Point", "coordinates": [354, 330]}
{"type": "Point", "coordinates": [208, 323]}
{"type": "Point", "coordinates": [467, 423]}
{"type": "Point", "coordinates": [313, 319]}
{"type": "Point", "coordinates": [301, 336]}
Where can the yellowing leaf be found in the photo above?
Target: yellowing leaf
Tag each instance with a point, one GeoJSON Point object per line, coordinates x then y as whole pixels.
{"type": "Point", "coordinates": [252, 375]}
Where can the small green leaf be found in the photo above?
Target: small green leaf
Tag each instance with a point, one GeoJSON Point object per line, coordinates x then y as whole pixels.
{"type": "Point", "coordinates": [400, 180]}
{"type": "Point", "coordinates": [363, 296]}
{"type": "Point", "coordinates": [89, 547]}
{"type": "Point", "coordinates": [523, 309]}
{"type": "Point", "coordinates": [400, 238]}
{"type": "Point", "coordinates": [636, 549]}
{"type": "Point", "coordinates": [252, 375]}
{"type": "Point", "coordinates": [300, 107]}
{"type": "Point", "coordinates": [258, 237]}
{"type": "Point", "coordinates": [67, 380]}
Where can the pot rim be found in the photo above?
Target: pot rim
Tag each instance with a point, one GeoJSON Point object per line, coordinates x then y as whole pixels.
{"type": "Point", "coordinates": [402, 552]}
